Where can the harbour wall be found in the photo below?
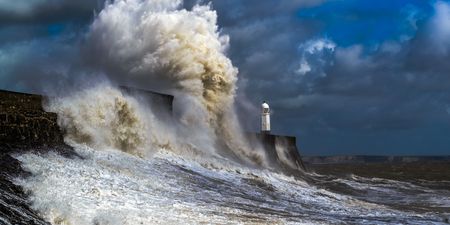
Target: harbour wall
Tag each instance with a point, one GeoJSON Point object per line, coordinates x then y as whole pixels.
{"type": "Point", "coordinates": [281, 151]}
{"type": "Point", "coordinates": [25, 124]}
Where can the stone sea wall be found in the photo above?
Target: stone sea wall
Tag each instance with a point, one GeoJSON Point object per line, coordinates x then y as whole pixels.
{"type": "Point", "coordinates": [24, 126]}
{"type": "Point", "coordinates": [281, 151]}
{"type": "Point", "coordinates": [24, 123]}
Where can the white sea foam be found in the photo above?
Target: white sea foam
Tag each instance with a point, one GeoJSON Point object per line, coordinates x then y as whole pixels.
{"type": "Point", "coordinates": [114, 187]}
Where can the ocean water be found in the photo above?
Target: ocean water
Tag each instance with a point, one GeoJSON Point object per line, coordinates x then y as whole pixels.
{"type": "Point", "coordinates": [114, 187]}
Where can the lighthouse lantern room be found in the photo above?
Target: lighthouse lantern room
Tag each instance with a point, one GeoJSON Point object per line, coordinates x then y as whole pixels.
{"type": "Point", "coordinates": [265, 118]}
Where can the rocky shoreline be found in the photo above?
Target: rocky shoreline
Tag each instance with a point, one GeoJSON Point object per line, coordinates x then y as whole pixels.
{"type": "Point", "coordinates": [24, 126]}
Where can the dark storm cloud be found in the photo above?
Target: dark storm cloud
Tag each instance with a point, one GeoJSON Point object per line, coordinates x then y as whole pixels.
{"type": "Point", "coordinates": [345, 77]}
{"type": "Point", "coordinates": [264, 33]}
{"type": "Point", "coordinates": [47, 11]}
{"type": "Point", "coordinates": [393, 82]}
{"type": "Point", "coordinates": [234, 12]}
{"type": "Point", "coordinates": [40, 41]}
{"type": "Point", "coordinates": [40, 64]}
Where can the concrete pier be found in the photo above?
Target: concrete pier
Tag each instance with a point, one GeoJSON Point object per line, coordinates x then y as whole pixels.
{"type": "Point", "coordinates": [281, 151]}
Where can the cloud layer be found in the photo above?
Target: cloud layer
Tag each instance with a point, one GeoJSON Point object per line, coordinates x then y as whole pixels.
{"type": "Point", "coordinates": [345, 77]}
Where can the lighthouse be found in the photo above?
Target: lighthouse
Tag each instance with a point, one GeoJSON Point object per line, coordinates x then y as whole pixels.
{"type": "Point", "coordinates": [265, 118]}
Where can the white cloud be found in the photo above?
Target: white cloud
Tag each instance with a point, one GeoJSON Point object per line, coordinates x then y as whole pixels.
{"type": "Point", "coordinates": [439, 28]}
{"type": "Point", "coordinates": [319, 45]}
{"type": "Point", "coordinates": [315, 54]}
{"type": "Point", "coordinates": [304, 67]}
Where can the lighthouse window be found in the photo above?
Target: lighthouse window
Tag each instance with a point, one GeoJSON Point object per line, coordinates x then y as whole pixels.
{"type": "Point", "coordinates": [266, 110]}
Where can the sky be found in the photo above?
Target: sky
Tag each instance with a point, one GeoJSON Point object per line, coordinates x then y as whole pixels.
{"type": "Point", "coordinates": [344, 77]}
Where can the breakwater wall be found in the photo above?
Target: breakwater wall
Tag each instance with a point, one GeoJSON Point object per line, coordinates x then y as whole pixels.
{"type": "Point", "coordinates": [24, 126]}
{"type": "Point", "coordinates": [24, 123]}
{"type": "Point", "coordinates": [281, 151]}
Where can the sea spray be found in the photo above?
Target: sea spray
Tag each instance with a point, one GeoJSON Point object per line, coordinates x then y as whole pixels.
{"type": "Point", "coordinates": [158, 41]}
{"type": "Point", "coordinates": [103, 117]}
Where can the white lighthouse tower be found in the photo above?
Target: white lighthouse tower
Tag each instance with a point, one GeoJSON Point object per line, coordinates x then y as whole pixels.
{"type": "Point", "coordinates": [265, 118]}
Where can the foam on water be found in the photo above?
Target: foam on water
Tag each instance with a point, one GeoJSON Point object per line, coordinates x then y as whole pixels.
{"type": "Point", "coordinates": [114, 187]}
